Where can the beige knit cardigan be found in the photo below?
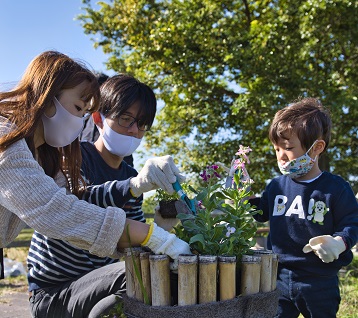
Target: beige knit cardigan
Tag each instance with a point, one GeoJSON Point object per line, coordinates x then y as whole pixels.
{"type": "Point", "coordinates": [29, 196]}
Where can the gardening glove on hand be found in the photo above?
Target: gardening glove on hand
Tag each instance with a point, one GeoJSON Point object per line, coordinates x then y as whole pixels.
{"type": "Point", "coordinates": [230, 171]}
{"type": "Point", "coordinates": [326, 247]}
{"type": "Point", "coordinates": [157, 173]}
{"type": "Point", "coordinates": [163, 242]}
{"type": "Point", "coordinates": [165, 223]}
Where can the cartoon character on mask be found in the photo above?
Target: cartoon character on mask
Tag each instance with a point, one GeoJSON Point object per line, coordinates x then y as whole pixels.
{"type": "Point", "coordinates": [298, 167]}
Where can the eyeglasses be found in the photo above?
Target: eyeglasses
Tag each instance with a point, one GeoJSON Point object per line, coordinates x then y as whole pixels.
{"type": "Point", "coordinates": [127, 121]}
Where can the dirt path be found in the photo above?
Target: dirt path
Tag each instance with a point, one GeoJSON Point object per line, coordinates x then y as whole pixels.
{"type": "Point", "coordinates": [15, 305]}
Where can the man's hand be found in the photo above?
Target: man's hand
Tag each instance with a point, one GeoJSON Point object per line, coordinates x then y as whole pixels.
{"type": "Point", "coordinates": [158, 172]}
{"type": "Point", "coordinates": [326, 247]}
{"type": "Point", "coordinates": [168, 223]}
{"type": "Point", "coordinates": [165, 223]}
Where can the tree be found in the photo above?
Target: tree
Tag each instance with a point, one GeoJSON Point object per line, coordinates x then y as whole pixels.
{"type": "Point", "coordinates": [223, 68]}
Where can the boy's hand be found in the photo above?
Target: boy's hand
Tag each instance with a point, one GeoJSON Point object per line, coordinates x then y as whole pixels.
{"type": "Point", "coordinates": [230, 171]}
{"type": "Point", "coordinates": [326, 247]}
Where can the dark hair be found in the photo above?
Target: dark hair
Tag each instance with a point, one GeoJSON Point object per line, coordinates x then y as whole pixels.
{"type": "Point", "coordinates": [307, 118]}
{"type": "Point", "coordinates": [101, 78]}
{"type": "Point", "coordinates": [46, 76]}
{"type": "Point", "coordinates": [120, 92]}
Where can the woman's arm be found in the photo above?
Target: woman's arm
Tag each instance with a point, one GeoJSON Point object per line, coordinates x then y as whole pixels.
{"type": "Point", "coordinates": [28, 194]}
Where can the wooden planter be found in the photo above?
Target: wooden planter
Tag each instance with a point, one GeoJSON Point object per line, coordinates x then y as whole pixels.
{"type": "Point", "coordinates": [204, 286]}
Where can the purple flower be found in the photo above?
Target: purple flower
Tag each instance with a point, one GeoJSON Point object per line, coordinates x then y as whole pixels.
{"type": "Point", "coordinates": [200, 205]}
{"type": "Point", "coordinates": [230, 230]}
{"type": "Point", "coordinates": [210, 173]}
{"type": "Point", "coordinates": [204, 176]}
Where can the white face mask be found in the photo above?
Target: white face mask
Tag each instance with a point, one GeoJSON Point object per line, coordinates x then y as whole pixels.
{"type": "Point", "coordinates": [118, 144]}
{"type": "Point", "coordinates": [298, 167]}
{"type": "Point", "coordinates": [62, 128]}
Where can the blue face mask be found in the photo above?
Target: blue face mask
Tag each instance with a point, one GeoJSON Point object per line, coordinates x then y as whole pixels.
{"type": "Point", "coordinates": [298, 167]}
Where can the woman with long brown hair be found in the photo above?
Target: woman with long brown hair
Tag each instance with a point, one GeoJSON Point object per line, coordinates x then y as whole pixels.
{"type": "Point", "coordinates": [40, 181]}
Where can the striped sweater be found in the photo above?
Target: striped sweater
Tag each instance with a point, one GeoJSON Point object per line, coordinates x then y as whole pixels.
{"type": "Point", "coordinates": [52, 262]}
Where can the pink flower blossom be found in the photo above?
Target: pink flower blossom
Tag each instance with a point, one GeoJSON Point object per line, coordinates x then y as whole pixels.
{"type": "Point", "coordinates": [242, 153]}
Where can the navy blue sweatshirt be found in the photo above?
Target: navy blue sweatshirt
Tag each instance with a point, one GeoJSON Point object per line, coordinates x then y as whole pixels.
{"type": "Point", "coordinates": [298, 211]}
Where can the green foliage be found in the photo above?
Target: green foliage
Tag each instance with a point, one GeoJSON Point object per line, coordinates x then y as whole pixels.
{"type": "Point", "coordinates": [352, 268]}
{"type": "Point", "coordinates": [223, 224]}
{"type": "Point", "coordinates": [223, 68]}
{"type": "Point", "coordinates": [116, 312]}
{"type": "Point", "coordinates": [162, 195]}
{"type": "Point", "coordinates": [348, 284]}
{"type": "Point", "coordinates": [149, 204]}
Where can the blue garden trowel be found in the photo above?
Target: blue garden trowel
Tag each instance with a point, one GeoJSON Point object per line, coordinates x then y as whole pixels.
{"type": "Point", "coordinates": [182, 195]}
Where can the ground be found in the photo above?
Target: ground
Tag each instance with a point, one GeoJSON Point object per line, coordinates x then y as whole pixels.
{"type": "Point", "coordinates": [15, 305]}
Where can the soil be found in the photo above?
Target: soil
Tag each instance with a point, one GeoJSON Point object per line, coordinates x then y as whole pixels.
{"type": "Point", "coordinates": [168, 209]}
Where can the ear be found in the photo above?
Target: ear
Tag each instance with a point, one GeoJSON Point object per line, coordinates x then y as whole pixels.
{"type": "Point", "coordinates": [319, 147]}
{"type": "Point", "coordinates": [97, 119]}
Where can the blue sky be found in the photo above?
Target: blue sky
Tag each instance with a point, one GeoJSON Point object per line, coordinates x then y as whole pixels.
{"type": "Point", "coordinates": [29, 27]}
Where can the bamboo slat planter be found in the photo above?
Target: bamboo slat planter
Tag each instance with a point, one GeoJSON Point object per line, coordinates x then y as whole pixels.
{"type": "Point", "coordinates": [207, 286]}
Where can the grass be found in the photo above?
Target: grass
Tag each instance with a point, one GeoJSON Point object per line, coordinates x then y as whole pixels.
{"type": "Point", "coordinates": [348, 280]}
{"type": "Point", "coordinates": [18, 251]}
{"type": "Point", "coordinates": [23, 239]}
{"type": "Point", "coordinates": [19, 283]}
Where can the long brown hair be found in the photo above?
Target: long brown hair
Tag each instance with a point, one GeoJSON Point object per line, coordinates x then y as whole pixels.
{"type": "Point", "coordinates": [47, 74]}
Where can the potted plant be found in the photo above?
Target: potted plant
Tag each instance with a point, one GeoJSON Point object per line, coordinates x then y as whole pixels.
{"type": "Point", "coordinates": [170, 205]}
{"type": "Point", "coordinates": [223, 224]}
{"type": "Point", "coordinates": [220, 233]}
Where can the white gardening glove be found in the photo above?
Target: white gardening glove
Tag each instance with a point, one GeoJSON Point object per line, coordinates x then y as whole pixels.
{"type": "Point", "coordinates": [158, 172]}
{"type": "Point", "coordinates": [244, 176]}
{"type": "Point", "coordinates": [230, 171]}
{"type": "Point", "coordinates": [163, 242]}
{"type": "Point", "coordinates": [326, 247]}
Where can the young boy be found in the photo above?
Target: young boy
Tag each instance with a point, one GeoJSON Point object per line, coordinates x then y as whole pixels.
{"type": "Point", "coordinates": [313, 214]}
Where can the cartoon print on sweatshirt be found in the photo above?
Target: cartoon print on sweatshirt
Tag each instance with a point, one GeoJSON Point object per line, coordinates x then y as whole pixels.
{"type": "Point", "coordinates": [319, 210]}
{"type": "Point", "coordinates": [315, 210]}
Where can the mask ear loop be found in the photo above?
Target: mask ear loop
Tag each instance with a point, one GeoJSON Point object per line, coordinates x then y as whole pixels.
{"type": "Point", "coordinates": [310, 148]}
{"type": "Point", "coordinates": [307, 152]}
